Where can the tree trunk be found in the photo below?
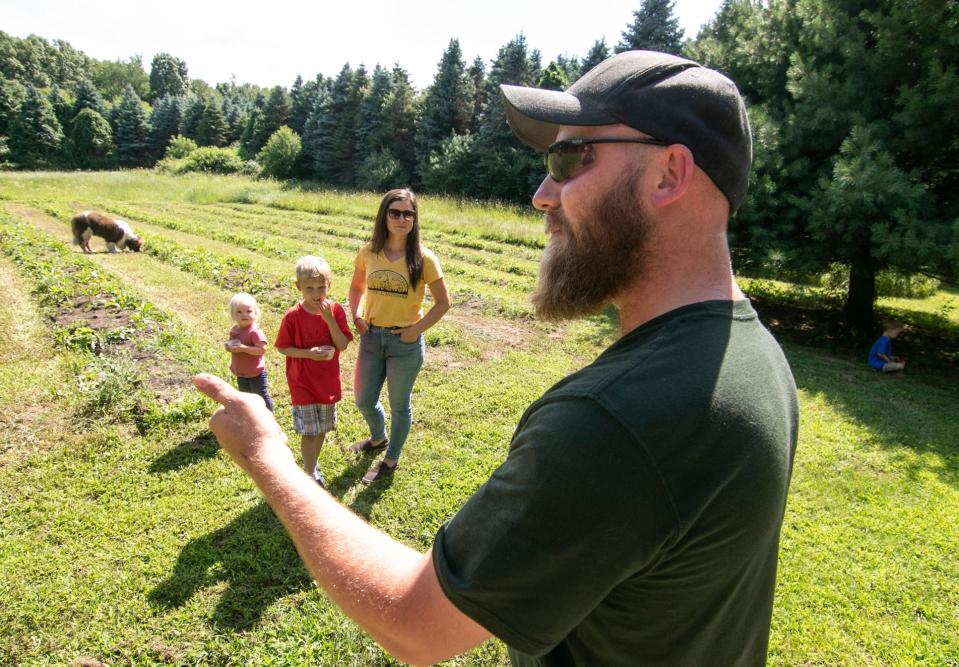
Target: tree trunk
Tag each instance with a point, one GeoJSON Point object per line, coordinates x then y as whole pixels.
{"type": "Point", "coordinates": [861, 295]}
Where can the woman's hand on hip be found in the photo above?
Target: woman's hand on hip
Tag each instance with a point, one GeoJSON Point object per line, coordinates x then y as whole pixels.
{"type": "Point", "coordinates": [407, 334]}
{"type": "Point", "coordinates": [361, 326]}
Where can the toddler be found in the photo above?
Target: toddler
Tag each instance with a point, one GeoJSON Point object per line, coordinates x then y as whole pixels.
{"type": "Point", "coordinates": [247, 345]}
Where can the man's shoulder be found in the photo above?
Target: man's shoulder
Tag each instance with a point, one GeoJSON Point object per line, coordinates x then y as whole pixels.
{"type": "Point", "coordinates": [674, 367]}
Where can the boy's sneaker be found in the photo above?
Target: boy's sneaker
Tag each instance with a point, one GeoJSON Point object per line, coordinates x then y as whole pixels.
{"type": "Point", "coordinates": [319, 478]}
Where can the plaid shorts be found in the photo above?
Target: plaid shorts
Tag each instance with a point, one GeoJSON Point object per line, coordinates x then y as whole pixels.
{"type": "Point", "coordinates": [314, 419]}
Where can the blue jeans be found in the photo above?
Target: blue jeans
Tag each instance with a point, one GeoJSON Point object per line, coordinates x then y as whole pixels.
{"type": "Point", "coordinates": [384, 357]}
{"type": "Point", "coordinates": [256, 385]}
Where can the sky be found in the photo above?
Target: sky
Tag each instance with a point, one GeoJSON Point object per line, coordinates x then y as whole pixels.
{"type": "Point", "coordinates": [270, 44]}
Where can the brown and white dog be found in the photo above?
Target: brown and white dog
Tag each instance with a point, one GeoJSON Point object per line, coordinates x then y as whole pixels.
{"type": "Point", "coordinates": [115, 232]}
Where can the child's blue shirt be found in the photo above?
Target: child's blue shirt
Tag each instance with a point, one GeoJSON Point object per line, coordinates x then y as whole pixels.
{"type": "Point", "coordinates": [881, 346]}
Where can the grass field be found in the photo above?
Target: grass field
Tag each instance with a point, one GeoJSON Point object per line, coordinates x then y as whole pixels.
{"type": "Point", "coordinates": [128, 538]}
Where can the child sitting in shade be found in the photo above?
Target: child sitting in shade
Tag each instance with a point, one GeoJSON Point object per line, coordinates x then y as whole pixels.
{"type": "Point", "coordinates": [880, 355]}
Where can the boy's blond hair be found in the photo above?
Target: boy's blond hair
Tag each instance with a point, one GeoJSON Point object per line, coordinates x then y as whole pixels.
{"type": "Point", "coordinates": [312, 266]}
{"type": "Point", "coordinates": [244, 299]}
{"type": "Point", "coordinates": [890, 324]}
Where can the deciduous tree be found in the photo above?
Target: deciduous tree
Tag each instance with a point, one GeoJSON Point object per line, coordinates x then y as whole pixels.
{"type": "Point", "coordinates": [168, 76]}
{"type": "Point", "coordinates": [91, 139]}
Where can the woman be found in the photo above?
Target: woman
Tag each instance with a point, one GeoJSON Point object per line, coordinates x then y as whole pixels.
{"type": "Point", "coordinates": [390, 279]}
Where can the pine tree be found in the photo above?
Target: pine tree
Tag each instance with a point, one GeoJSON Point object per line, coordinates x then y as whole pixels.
{"type": "Point", "coordinates": [132, 131]}
{"type": "Point", "coordinates": [235, 119]}
{"type": "Point", "coordinates": [597, 54]}
{"type": "Point", "coordinates": [86, 96]}
{"type": "Point", "coordinates": [212, 128]}
{"type": "Point", "coordinates": [168, 76]}
{"type": "Point", "coordinates": [345, 161]}
{"type": "Point", "coordinates": [251, 130]}
{"type": "Point", "coordinates": [655, 27]}
{"type": "Point", "coordinates": [276, 113]}
{"type": "Point", "coordinates": [302, 101]}
{"type": "Point", "coordinates": [330, 133]}
{"type": "Point", "coordinates": [164, 124]}
{"type": "Point", "coordinates": [504, 167]}
{"type": "Point", "coordinates": [477, 76]}
{"type": "Point", "coordinates": [314, 138]}
{"type": "Point", "coordinates": [192, 113]}
{"type": "Point", "coordinates": [35, 133]}
{"type": "Point", "coordinates": [371, 132]}
{"type": "Point", "coordinates": [448, 104]}
{"type": "Point", "coordinates": [399, 112]}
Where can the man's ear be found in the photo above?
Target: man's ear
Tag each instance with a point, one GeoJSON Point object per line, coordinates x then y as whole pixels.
{"type": "Point", "coordinates": [676, 166]}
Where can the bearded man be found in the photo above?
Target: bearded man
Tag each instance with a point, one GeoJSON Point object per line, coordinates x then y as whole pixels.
{"type": "Point", "coordinates": [636, 519]}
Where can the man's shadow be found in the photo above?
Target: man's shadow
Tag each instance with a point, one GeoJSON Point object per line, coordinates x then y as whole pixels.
{"type": "Point", "coordinates": [253, 555]}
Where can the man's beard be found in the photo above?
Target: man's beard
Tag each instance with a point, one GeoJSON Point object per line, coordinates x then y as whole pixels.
{"type": "Point", "coordinates": [583, 271]}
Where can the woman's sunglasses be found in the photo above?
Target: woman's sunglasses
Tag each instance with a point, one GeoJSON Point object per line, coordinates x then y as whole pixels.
{"type": "Point", "coordinates": [396, 214]}
{"type": "Point", "coordinates": [565, 158]}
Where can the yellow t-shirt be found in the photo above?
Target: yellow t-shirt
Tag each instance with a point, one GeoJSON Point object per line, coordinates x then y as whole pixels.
{"type": "Point", "coordinates": [389, 301]}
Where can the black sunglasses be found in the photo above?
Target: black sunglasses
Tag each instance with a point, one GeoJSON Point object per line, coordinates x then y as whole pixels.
{"type": "Point", "coordinates": [564, 158]}
{"type": "Point", "coordinates": [396, 214]}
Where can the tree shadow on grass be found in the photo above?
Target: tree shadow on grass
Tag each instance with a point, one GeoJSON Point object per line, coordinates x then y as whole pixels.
{"type": "Point", "coordinates": [201, 447]}
{"type": "Point", "coordinates": [915, 412]}
{"type": "Point", "coordinates": [253, 555]}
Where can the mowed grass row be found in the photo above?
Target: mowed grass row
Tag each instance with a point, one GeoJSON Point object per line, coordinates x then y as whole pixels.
{"type": "Point", "coordinates": [868, 569]}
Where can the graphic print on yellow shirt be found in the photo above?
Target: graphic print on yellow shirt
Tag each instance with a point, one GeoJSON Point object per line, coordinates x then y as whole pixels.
{"type": "Point", "coordinates": [388, 283]}
{"type": "Point", "coordinates": [389, 301]}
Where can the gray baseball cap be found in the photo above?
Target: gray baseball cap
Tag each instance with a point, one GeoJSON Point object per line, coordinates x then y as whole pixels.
{"type": "Point", "coordinates": [667, 97]}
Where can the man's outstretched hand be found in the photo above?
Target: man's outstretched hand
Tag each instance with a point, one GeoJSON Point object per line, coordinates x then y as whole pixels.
{"type": "Point", "coordinates": [242, 424]}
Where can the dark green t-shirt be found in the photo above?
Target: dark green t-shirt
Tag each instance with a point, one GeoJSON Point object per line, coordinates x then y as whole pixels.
{"type": "Point", "coordinates": [636, 519]}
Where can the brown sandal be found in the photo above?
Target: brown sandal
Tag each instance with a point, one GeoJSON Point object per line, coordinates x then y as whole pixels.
{"type": "Point", "coordinates": [368, 446]}
{"type": "Point", "coordinates": [379, 471]}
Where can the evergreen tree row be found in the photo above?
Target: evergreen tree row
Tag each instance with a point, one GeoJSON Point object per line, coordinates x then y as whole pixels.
{"type": "Point", "coordinates": [60, 108]}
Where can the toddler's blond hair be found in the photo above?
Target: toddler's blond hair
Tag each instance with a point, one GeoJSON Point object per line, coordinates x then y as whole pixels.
{"type": "Point", "coordinates": [244, 299]}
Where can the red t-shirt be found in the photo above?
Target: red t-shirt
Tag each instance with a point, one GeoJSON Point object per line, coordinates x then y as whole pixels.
{"type": "Point", "coordinates": [245, 365]}
{"type": "Point", "coordinates": [311, 381]}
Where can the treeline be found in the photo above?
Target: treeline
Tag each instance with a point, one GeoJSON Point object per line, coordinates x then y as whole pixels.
{"type": "Point", "coordinates": [852, 103]}
{"type": "Point", "coordinates": [357, 128]}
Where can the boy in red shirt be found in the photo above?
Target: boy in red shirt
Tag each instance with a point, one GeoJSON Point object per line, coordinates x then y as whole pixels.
{"type": "Point", "coordinates": [311, 337]}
